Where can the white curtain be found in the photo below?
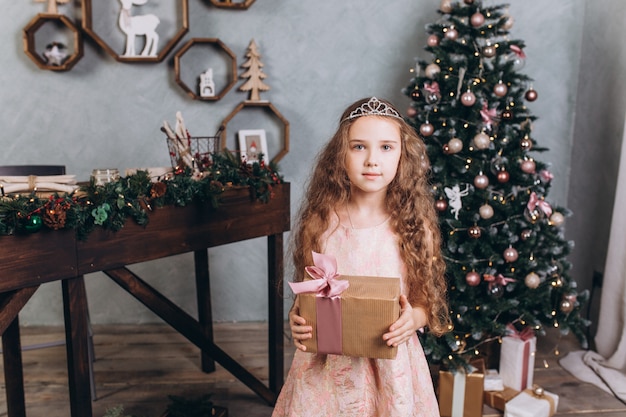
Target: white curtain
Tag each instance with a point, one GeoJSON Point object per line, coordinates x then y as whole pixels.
{"type": "Point", "coordinates": [606, 368]}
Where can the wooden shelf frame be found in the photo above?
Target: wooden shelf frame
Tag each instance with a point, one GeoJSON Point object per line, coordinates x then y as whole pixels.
{"type": "Point", "coordinates": [225, 51]}
{"type": "Point", "coordinates": [229, 4]}
{"type": "Point", "coordinates": [87, 25]}
{"type": "Point", "coordinates": [35, 24]}
{"type": "Point", "coordinates": [272, 111]}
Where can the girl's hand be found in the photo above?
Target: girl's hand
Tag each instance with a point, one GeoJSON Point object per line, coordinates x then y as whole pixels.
{"type": "Point", "coordinates": [407, 324]}
{"type": "Point", "coordinates": [299, 330]}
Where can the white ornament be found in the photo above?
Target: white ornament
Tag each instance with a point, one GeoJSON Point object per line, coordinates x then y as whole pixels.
{"type": "Point", "coordinates": [136, 26]}
{"type": "Point", "coordinates": [485, 211]}
{"type": "Point", "coordinates": [55, 54]}
{"type": "Point", "coordinates": [454, 195]}
{"type": "Point", "coordinates": [207, 86]}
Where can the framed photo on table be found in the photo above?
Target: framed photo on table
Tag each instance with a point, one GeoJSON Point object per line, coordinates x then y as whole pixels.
{"type": "Point", "coordinates": [252, 143]}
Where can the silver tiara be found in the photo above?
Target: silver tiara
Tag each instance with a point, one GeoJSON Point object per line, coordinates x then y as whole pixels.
{"type": "Point", "coordinates": [374, 107]}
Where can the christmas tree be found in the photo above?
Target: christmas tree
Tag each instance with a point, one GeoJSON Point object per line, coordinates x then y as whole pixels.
{"type": "Point", "coordinates": [504, 242]}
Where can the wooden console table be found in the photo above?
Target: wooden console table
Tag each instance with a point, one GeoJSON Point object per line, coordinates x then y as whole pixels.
{"type": "Point", "coordinates": [28, 261]}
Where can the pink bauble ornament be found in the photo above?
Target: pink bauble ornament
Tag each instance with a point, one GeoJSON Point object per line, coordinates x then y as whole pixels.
{"type": "Point", "coordinates": [500, 89]}
{"type": "Point", "coordinates": [526, 144]}
{"type": "Point", "coordinates": [508, 23]}
{"type": "Point", "coordinates": [474, 232]}
{"type": "Point", "coordinates": [432, 70]}
{"type": "Point", "coordinates": [503, 176]}
{"type": "Point", "coordinates": [455, 145]}
{"type": "Point", "coordinates": [432, 41]}
{"type": "Point", "coordinates": [446, 6]}
{"type": "Point", "coordinates": [566, 307]}
{"type": "Point", "coordinates": [482, 141]}
{"type": "Point", "coordinates": [510, 254]}
{"type": "Point", "coordinates": [532, 280]}
{"type": "Point", "coordinates": [485, 211]}
{"type": "Point", "coordinates": [528, 166]}
{"type": "Point", "coordinates": [427, 129]}
{"type": "Point", "coordinates": [451, 34]}
{"type": "Point", "coordinates": [441, 205]}
{"type": "Point", "coordinates": [468, 98]}
{"type": "Point", "coordinates": [526, 234]}
{"type": "Point", "coordinates": [477, 19]}
{"type": "Point", "coordinates": [557, 219]}
{"type": "Point", "coordinates": [489, 51]}
{"type": "Point", "coordinates": [411, 112]}
{"type": "Point", "coordinates": [472, 278]}
{"type": "Point", "coordinates": [481, 181]}
{"type": "Point", "coordinates": [496, 291]}
{"type": "Point", "coordinates": [531, 95]}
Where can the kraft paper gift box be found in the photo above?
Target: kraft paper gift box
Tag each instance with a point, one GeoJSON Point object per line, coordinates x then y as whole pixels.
{"type": "Point", "coordinates": [461, 393]}
{"type": "Point", "coordinates": [348, 314]}
{"type": "Point", "coordinates": [532, 403]}
{"type": "Point", "coordinates": [498, 399]}
{"type": "Point", "coordinates": [517, 359]}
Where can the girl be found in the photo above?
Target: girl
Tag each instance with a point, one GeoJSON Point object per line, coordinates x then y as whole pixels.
{"type": "Point", "coordinates": [368, 203]}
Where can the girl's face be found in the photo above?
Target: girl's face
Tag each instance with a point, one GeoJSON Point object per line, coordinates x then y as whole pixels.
{"type": "Point", "coordinates": [374, 149]}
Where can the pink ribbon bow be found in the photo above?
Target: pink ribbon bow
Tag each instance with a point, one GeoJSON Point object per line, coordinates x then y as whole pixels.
{"type": "Point", "coordinates": [520, 53]}
{"type": "Point", "coordinates": [545, 175]}
{"type": "Point", "coordinates": [432, 88]}
{"type": "Point", "coordinates": [535, 202]}
{"type": "Point", "coordinates": [324, 274]}
{"type": "Point", "coordinates": [523, 335]}
{"type": "Point", "coordinates": [488, 115]}
{"type": "Point", "coordinates": [497, 279]}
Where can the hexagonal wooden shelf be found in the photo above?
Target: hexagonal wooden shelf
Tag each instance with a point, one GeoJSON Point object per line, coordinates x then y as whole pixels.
{"type": "Point", "coordinates": [87, 24]}
{"type": "Point", "coordinates": [221, 48]}
{"type": "Point", "coordinates": [269, 108]}
{"type": "Point", "coordinates": [35, 24]}
{"type": "Point", "coordinates": [230, 4]}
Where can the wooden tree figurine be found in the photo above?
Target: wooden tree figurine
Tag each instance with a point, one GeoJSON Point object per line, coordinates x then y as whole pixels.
{"type": "Point", "coordinates": [52, 5]}
{"type": "Point", "coordinates": [254, 73]}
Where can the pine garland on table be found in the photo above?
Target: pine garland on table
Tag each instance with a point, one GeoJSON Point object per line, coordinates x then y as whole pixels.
{"type": "Point", "coordinates": [110, 205]}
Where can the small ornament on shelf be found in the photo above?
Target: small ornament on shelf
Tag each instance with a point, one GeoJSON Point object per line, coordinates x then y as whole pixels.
{"type": "Point", "coordinates": [207, 85]}
{"type": "Point", "coordinates": [254, 73]}
{"type": "Point", "coordinates": [55, 53]}
{"type": "Point", "coordinates": [140, 25]}
{"type": "Point", "coordinates": [52, 5]}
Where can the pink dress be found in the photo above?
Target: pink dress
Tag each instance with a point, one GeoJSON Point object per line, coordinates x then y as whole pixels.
{"type": "Point", "coordinates": [343, 386]}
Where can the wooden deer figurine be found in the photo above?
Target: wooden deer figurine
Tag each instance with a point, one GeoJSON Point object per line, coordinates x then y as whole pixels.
{"type": "Point", "coordinates": [138, 25]}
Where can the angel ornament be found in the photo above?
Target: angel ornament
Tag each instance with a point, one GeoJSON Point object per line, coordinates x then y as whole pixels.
{"type": "Point", "coordinates": [454, 195]}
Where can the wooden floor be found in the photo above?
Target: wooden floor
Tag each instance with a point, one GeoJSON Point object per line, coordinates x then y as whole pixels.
{"type": "Point", "coordinates": [139, 366]}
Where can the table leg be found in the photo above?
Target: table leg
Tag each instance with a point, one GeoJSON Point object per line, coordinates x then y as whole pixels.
{"type": "Point", "coordinates": [76, 335]}
{"type": "Point", "coordinates": [275, 312]}
{"type": "Point", "coordinates": [205, 313]}
{"type": "Point", "coordinates": [13, 374]}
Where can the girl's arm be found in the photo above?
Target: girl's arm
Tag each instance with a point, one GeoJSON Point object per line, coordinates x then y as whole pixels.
{"type": "Point", "coordinates": [411, 320]}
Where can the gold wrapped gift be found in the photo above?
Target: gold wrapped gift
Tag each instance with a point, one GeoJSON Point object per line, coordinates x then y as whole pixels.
{"type": "Point", "coordinates": [498, 399]}
{"type": "Point", "coordinates": [361, 315]}
{"type": "Point", "coordinates": [461, 394]}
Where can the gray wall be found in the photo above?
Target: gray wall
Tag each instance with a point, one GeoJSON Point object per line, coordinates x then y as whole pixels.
{"type": "Point", "coordinates": [319, 56]}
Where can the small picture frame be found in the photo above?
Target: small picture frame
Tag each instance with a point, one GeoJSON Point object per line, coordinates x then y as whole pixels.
{"type": "Point", "coordinates": [251, 144]}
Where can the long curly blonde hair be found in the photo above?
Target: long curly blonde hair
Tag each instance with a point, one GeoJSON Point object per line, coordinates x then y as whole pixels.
{"type": "Point", "coordinates": [410, 201]}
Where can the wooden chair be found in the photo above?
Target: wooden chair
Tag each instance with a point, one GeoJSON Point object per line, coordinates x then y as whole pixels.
{"type": "Point", "coordinates": [40, 170]}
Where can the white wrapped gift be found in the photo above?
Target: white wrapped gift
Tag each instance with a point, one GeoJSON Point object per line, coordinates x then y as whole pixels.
{"type": "Point", "coordinates": [493, 380]}
{"type": "Point", "coordinates": [517, 359]}
{"type": "Point", "coordinates": [30, 183]}
{"type": "Point", "coordinates": [532, 403]}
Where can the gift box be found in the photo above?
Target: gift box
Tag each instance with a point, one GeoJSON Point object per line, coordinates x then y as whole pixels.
{"type": "Point", "coordinates": [460, 393]}
{"type": "Point", "coordinates": [493, 380]}
{"type": "Point", "coordinates": [498, 399]}
{"type": "Point", "coordinates": [348, 314]}
{"type": "Point", "coordinates": [517, 359]}
{"type": "Point", "coordinates": [532, 403]}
